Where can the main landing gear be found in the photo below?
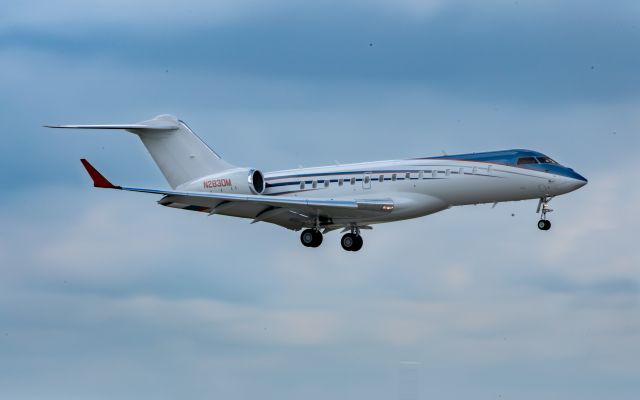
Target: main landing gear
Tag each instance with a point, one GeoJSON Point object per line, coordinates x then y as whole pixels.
{"type": "Point", "coordinates": [543, 208]}
{"type": "Point", "coordinates": [351, 241]}
{"type": "Point", "coordinates": [311, 238]}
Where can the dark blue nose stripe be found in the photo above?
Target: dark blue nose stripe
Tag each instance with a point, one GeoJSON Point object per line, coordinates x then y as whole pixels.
{"type": "Point", "coordinates": [568, 172]}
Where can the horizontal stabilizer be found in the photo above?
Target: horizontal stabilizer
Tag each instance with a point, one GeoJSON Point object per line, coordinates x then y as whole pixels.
{"type": "Point", "coordinates": [134, 127]}
{"type": "Point", "coordinates": [159, 123]}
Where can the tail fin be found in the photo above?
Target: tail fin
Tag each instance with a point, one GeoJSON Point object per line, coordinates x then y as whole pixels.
{"type": "Point", "coordinates": [179, 153]}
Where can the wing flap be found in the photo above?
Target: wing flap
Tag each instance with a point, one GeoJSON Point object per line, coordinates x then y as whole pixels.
{"type": "Point", "coordinates": [276, 201]}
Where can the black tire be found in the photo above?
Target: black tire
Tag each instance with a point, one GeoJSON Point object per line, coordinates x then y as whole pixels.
{"type": "Point", "coordinates": [307, 238]}
{"type": "Point", "coordinates": [317, 239]}
{"type": "Point", "coordinates": [348, 241]}
{"type": "Point", "coordinates": [359, 243]}
{"type": "Point", "coordinates": [544, 225]}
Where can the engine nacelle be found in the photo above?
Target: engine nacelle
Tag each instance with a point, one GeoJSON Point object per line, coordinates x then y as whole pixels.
{"type": "Point", "coordinates": [237, 180]}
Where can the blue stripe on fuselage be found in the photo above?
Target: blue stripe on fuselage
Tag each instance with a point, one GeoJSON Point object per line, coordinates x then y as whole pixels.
{"type": "Point", "coordinates": [510, 158]}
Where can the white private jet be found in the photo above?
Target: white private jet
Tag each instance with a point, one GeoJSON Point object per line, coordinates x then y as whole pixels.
{"type": "Point", "coordinates": [351, 197]}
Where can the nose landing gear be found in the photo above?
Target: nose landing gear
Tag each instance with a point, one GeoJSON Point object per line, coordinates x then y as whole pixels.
{"type": "Point", "coordinates": [543, 208]}
{"type": "Point", "coordinates": [544, 225]}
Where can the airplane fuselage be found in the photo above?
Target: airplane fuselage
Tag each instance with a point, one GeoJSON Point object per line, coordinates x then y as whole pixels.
{"type": "Point", "coordinates": [421, 187]}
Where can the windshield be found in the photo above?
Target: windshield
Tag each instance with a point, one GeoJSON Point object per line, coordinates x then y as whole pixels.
{"type": "Point", "coordinates": [546, 160]}
{"type": "Point", "coordinates": [527, 160]}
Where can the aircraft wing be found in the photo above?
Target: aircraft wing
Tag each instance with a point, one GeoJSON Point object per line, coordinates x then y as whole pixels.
{"type": "Point", "coordinates": [289, 212]}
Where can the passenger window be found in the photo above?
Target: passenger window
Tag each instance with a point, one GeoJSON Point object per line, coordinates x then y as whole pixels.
{"type": "Point", "coordinates": [353, 180]}
{"type": "Point", "coordinates": [393, 177]}
{"type": "Point", "coordinates": [527, 160]}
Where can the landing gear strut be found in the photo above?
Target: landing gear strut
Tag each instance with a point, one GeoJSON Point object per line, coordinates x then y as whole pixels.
{"type": "Point", "coordinates": [311, 238]}
{"type": "Point", "coordinates": [543, 208]}
{"type": "Point", "coordinates": [352, 241]}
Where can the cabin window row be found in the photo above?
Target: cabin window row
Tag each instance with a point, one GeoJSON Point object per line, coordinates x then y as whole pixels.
{"type": "Point", "coordinates": [327, 182]}
{"type": "Point", "coordinates": [394, 177]}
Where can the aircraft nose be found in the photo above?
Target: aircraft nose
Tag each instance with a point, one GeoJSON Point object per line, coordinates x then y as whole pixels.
{"type": "Point", "coordinates": [578, 183]}
{"type": "Point", "coordinates": [581, 179]}
{"type": "Point", "coordinates": [575, 181]}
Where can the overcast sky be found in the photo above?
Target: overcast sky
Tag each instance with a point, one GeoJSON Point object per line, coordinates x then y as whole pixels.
{"type": "Point", "coordinates": [107, 295]}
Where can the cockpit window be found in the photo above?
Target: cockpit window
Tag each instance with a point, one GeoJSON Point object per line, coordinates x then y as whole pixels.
{"type": "Point", "coordinates": [527, 160]}
{"type": "Point", "coordinates": [546, 160]}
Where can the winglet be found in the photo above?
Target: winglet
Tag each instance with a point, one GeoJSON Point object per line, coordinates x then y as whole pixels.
{"type": "Point", "coordinates": [99, 181]}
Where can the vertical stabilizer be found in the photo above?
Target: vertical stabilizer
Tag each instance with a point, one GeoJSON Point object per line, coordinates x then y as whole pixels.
{"type": "Point", "coordinates": [179, 153]}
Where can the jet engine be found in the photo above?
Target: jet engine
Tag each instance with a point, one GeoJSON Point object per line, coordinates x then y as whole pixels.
{"type": "Point", "coordinates": [236, 180]}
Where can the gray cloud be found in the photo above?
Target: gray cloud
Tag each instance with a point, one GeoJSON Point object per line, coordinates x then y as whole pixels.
{"type": "Point", "coordinates": [528, 53]}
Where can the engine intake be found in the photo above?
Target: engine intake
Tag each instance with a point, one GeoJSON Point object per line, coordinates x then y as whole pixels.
{"type": "Point", "coordinates": [256, 181]}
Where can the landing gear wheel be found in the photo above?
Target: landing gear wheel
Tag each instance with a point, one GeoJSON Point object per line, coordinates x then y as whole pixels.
{"type": "Point", "coordinates": [306, 237]}
{"type": "Point", "coordinates": [359, 243]}
{"type": "Point", "coordinates": [311, 238]}
{"type": "Point", "coordinates": [348, 241]}
{"type": "Point", "coordinates": [544, 224]}
{"type": "Point", "coordinates": [351, 242]}
{"type": "Point", "coordinates": [317, 239]}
